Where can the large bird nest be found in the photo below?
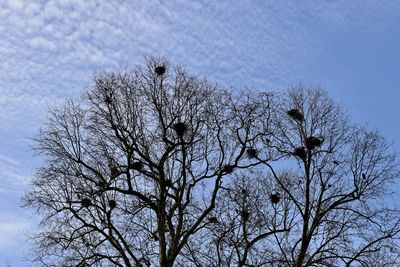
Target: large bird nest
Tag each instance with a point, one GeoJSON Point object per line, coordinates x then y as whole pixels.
{"type": "Point", "coordinates": [313, 142]}
{"type": "Point", "coordinates": [300, 152]}
{"type": "Point", "coordinates": [296, 114]}
{"type": "Point", "coordinates": [160, 70]}
{"type": "Point", "coordinates": [180, 128]}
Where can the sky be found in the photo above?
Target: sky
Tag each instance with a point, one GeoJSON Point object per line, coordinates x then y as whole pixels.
{"type": "Point", "coordinates": [50, 50]}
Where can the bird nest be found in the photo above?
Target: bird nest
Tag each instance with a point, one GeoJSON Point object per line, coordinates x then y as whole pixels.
{"type": "Point", "coordinates": [275, 197]}
{"type": "Point", "coordinates": [245, 215]}
{"type": "Point", "coordinates": [85, 202]}
{"type": "Point", "coordinates": [313, 142]}
{"type": "Point", "coordinates": [213, 220]}
{"type": "Point", "coordinates": [296, 114]}
{"type": "Point", "coordinates": [228, 168]}
{"type": "Point", "coordinates": [300, 152]}
{"type": "Point", "coordinates": [112, 203]}
{"type": "Point", "coordinates": [180, 128]}
{"type": "Point", "coordinates": [137, 165]}
{"type": "Point", "coordinates": [160, 70]}
{"type": "Point", "coordinates": [252, 152]}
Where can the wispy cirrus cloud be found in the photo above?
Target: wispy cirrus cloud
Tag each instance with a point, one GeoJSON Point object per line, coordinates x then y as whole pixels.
{"type": "Point", "coordinates": [14, 244]}
{"type": "Point", "coordinates": [12, 232]}
{"type": "Point", "coordinates": [14, 175]}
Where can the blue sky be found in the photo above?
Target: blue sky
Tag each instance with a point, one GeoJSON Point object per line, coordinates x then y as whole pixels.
{"type": "Point", "coordinates": [49, 51]}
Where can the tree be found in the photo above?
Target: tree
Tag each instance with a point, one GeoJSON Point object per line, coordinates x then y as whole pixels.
{"type": "Point", "coordinates": [132, 170]}
{"type": "Point", "coordinates": [327, 181]}
{"type": "Point", "coordinates": [159, 168]}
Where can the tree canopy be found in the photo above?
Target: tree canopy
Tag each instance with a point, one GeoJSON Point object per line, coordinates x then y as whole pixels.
{"type": "Point", "coordinates": [157, 167]}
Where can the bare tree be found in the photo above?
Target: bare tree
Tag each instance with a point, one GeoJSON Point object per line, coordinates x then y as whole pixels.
{"type": "Point", "coordinates": [159, 168]}
{"type": "Point", "coordinates": [132, 171]}
{"type": "Point", "coordinates": [320, 198]}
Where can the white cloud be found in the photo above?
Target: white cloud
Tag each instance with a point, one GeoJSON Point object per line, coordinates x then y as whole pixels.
{"type": "Point", "coordinates": [15, 4]}
{"type": "Point", "coordinates": [9, 161]}
{"type": "Point", "coordinates": [41, 43]}
{"type": "Point", "coordinates": [14, 232]}
{"type": "Point", "coordinates": [14, 175]}
{"type": "Point", "coordinates": [11, 233]}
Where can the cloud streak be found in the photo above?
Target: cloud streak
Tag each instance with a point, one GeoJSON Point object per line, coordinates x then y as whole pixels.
{"type": "Point", "coordinates": [12, 232]}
